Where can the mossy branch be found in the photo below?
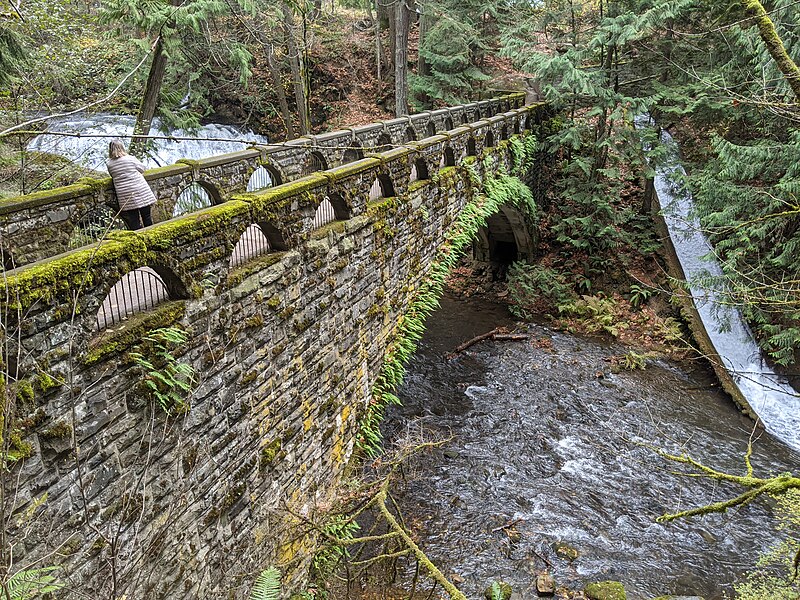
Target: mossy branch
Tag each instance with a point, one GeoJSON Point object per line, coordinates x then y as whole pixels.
{"type": "Point", "coordinates": [756, 486]}
{"type": "Point", "coordinates": [774, 44]}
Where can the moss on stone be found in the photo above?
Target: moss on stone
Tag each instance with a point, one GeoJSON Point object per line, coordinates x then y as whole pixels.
{"type": "Point", "coordinates": [269, 453]}
{"type": "Point", "coordinates": [60, 430]}
{"type": "Point", "coordinates": [270, 197]}
{"type": "Point", "coordinates": [605, 590]}
{"type": "Point", "coordinates": [197, 225]}
{"type": "Point", "coordinates": [244, 271]}
{"type": "Point", "coordinates": [46, 383]}
{"type": "Point", "coordinates": [112, 341]}
{"type": "Point", "coordinates": [18, 203]}
{"type": "Point", "coordinates": [55, 279]}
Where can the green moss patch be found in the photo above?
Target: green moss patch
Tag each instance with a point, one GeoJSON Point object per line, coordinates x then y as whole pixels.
{"type": "Point", "coordinates": [605, 590]}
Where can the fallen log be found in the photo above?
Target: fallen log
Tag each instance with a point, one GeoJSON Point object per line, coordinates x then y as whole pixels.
{"type": "Point", "coordinates": [500, 334]}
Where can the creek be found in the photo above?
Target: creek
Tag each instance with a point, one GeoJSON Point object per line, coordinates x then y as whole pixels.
{"type": "Point", "coordinates": [92, 152]}
{"type": "Point", "coordinates": [546, 437]}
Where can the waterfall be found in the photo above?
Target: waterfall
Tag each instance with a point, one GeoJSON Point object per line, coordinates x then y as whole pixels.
{"type": "Point", "coordinates": [92, 152]}
{"type": "Point", "coordinates": [770, 396]}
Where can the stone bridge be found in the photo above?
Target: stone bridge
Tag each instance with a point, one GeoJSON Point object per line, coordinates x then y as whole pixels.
{"type": "Point", "coordinates": [286, 341]}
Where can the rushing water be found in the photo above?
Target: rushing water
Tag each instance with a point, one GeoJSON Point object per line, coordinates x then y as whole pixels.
{"type": "Point", "coordinates": [771, 396]}
{"type": "Point", "coordinates": [545, 436]}
{"type": "Point", "coordinates": [92, 152]}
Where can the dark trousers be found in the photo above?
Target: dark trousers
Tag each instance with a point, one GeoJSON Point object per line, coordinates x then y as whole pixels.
{"type": "Point", "coordinates": [137, 217]}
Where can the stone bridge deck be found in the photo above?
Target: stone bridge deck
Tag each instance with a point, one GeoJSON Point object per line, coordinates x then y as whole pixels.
{"type": "Point", "coordinates": [50, 222]}
{"type": "Point", "coordinates": [286, 341]}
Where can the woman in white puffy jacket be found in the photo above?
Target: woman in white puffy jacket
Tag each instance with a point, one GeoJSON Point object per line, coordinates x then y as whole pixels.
{"type": "Point", "coordinates": [133, 194]}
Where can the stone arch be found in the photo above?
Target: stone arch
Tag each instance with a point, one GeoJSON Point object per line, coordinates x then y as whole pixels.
{"type": "Point", "coordinates": [196, 196]}
{"type": "Point", "coordinates": [430, 128]}
{"type": "Point", "coordinates": [7, 258]}
{"type": "Point", "coordinates": [315, 161]}
{"type": "Point", "coordinates": [332, 208]}
{"type": "Point", "coordinates": [274, 236]}
{"type": "Point", "coordinates": [252, 244]}
{"type": "Point", "coordinates": [472, 149]}
{"type": "Point", "coordinates": [529, 121]}
{"type": "Point", "coordinates": [488, 141]}
{"type": "Point", "coordinates": [448, 123]}
{"type": "Point", "coordinates": [516, 127]}
{"type": "Point", "coordinates": [263, 177]}
{"type": "Point", "coordinates": [448, 158]}
{"type": "Point", "coordinates": [139, 290]}
{"type": "Point", "coordinates": [410, 134]}
{"type": "Point", "coordinates": [464, 117]}
{"type": "Point", "coordinates": [504, 132]}
{"type": "Point", "coordinates": [419, 170]}
{"type": "Point", "coordinates": [93, 224]}
{"type": "Point", "coordinates": [382, 187]}
{"type": "Point", "coordinates": [383, 143]}
{"type": "Point", "coordinates": [503, 240]}
{"type": "Point", "coordinates": [353, 153]}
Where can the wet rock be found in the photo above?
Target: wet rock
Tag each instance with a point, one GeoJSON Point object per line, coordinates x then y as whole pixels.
{"type": "Point", "coordinates": [545, 585]}
{"type": "Point", "coordinates": [564, 550]}
{"type": "Point", "coordinates": [679, 598]}
{"type": "Point", "coordinates": [605, 590]}
{"type": "Point", "coordinates": [451, 453]}
{"type": "Point", "coordinates": [501, 591]}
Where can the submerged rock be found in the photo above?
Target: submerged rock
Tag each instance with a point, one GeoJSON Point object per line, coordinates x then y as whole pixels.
{"type": "Point", "coordinates": [564, 550]}
{"type": "Point", "coordinates": [545, 585]}
{"type": "Point", "coordinates": [605, 590]}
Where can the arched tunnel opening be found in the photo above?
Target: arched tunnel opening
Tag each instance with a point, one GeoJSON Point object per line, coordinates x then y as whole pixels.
{"type": "Point", "coordinates": [496, 246]}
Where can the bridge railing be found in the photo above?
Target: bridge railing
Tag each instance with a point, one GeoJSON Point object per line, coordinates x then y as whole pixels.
{"type": "Point", "coordinates": [46, 223]}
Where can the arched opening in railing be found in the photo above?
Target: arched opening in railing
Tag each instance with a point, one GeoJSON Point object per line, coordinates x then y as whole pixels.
{"type": "Point", "coordinates": [448, 124]}
{"type": "Point", "coordinates": [516, 126]}
{"type": "Point", "coordinates": [448, 158]}
{"type": "Point", "coordinates": [430, 129]}
{"type": "Point", "coordinates": [137, 291]}
{"type": "Point", "coordinates": [315, 161]}
{"type": "Point", "coordinates": [419, 170]}
{"type": "Point", "coordinates": [196, 196]}
{"type": "Point", "coordinates": [332, 208]}
{"type": "Point", "coordinates": [7, 258]}
{"type": "Point", "coordinates": [489, 140]}
{"type": "Point", "coordinates": [529, 121]}
{"type": "Point", "coordinates": [353, 153]}
{"type": "Point", "coordinates": [383, 143]}
{"type": "Point", "coordinates": [464, 117]}
{"type": "Point", "coordinates": [382, 187]}
{"type": "Point", "coordinates": [410, 134]}
{"type": "Point", "coordinates": [504, 132]}
{"type": "Point", "coordinates": [472, 147]}
{"type": "Point", "coordinates": [93, 225]}
{"type": "Point", "coordinates": [252, 244]}
{"type": "Point", "coordinates": [263, 177]}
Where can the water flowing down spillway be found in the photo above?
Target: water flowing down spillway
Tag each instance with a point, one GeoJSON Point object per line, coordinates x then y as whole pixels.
{"type": "Point", "coordinates": [771, 397]}
{"type": "Point", "coordinates": [92, 152]}
{"type": "Point", "coordinates": [546, 445]}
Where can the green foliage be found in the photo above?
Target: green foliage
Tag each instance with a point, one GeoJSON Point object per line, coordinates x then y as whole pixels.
{"type": "Point", "coordinates": [11, 53]}
{"type": "Point", "coordinates": [267, 585]}
{"type": "Point", "coordinates": [503, 189]}
{"type": "Point", "coordinates": [449, 49]}
{"type": "Point", "coordinates": [31, 583]}
{"type": "Point", "coordinates": [596, 313]}
{"type": "Point", "coordinates": [633, 360]}
{"type": "Point", "coordinates": [527, 284]}
{"type": "Point", "coordinates": [341, 528]}
{"type": "Point", "coordinates": [640, 294]}
{"type": "Point", "coordinates": [166, 379]}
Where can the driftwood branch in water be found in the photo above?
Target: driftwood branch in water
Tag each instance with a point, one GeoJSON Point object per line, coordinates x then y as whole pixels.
{"type": "Point", "coordinates": [500, 334]}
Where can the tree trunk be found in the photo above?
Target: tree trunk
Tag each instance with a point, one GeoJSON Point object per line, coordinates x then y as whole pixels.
{"type": "Point", "coordinates": [401, 59]}
{"type": "Point", "coordinates": [378, 46]}
{"type": "Point", "coordinates": [423, 68]}
{"type": "Point", "coordinates": [389, 9]}
{"type": "Point", "coordinates": [277, 81]}
{"type": "Point", "coordinates": [147, 109]}
{"type": "Point", "coordinates": [298, 71]}
{"type": "Point", "coordinates": [766, 29]}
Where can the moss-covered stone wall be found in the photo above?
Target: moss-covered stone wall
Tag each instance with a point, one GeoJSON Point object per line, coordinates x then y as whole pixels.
{"type": "Point", "coordinates": [46, 223]}
{"type": "Point", "coordinates": [285, 347]}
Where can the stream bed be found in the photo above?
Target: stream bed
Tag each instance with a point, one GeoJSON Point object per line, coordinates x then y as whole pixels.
{"type": "Point", "coordinates": [546, 439]}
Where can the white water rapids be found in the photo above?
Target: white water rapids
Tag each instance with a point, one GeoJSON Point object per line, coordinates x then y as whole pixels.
{"type": "Point", "coordinates": [771, 397]}
{"type": "Point", "coordinates": [92, 152]}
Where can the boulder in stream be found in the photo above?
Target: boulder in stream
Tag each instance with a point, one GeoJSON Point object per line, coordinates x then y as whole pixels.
{"type": "Point", "coordinates": [545, 585]}
{"type": "Point", "coordinates": [605, 590]}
